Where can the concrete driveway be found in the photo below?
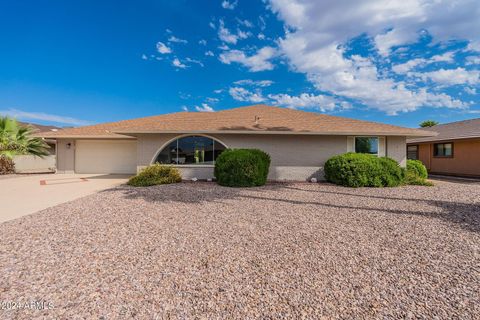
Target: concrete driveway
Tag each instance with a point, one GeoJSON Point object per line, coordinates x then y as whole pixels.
{"type": "Point", "coordinates": [22, 195]}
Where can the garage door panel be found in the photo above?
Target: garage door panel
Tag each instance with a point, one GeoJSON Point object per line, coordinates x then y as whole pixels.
{"type": "Point", "coordinates": [105, 156]}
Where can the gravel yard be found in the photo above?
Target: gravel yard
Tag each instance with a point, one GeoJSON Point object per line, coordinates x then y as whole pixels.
{"type": "Point", "coordinates": [198, 250]}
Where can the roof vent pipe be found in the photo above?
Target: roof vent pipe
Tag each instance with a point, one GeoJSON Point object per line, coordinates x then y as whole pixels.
{"type": "Point", "coordinates": [257, 118]}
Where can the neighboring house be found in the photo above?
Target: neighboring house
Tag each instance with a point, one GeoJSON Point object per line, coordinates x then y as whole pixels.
{"type": "Point", "coordinates": [454, 151]}
{"type": "Point", "coordinates": [298, 142]}
{"type": "Point", "coordinates": [33, 164]}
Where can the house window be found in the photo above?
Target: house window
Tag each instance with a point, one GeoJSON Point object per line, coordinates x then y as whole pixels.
{"type": "Point", "coordinates": [191, 150]}
{"type": "Point", "coordinates": [444, 150]}
{"type": "Point", "coordinates": [412, 152]}
{"type": "Point", "coordinates": [366, 145]}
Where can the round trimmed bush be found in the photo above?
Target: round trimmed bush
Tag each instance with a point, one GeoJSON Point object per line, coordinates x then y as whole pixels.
{"type": "Point", "coordinates": [242, 168]}
{"type": "Point", "coordinates": [417, 168]}
{"type": "Point", "coordinates": [155, 174]}
{"type": "Point", "coordinates": [363, 170]}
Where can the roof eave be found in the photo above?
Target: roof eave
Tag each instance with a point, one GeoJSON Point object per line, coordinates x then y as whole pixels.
{"type": "Point", "coordinates": [86, 136]}
{"type": "Point", "coordinates": [416, 134]}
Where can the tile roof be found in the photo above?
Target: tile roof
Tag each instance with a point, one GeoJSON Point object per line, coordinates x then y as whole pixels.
{"type": "Point", "coordinates": [450, 131]}
{"type": "Point", "coordinates": [250, 119]}
{"type": "Point", "coordinates": [39, 127]}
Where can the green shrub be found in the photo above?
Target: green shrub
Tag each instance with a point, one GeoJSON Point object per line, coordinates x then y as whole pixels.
{"type": "Point", "coordinates": [242, 168]}
{"type": "Point", "coordinates": [412, 179]}
{"type": "Point", "coordinates": [417, 168]}
{"type": "Point", "coordinates": [363, 170]}
{"type": "Point", "coordinates": [416, 174]}
{"type": "Point", "coordinates": [392, 175]}
{"type": "Point", "coordinates": [155, 174]}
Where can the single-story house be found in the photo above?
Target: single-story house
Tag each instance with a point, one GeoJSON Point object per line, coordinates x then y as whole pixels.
{"type": "Point", "coordinates": [298, 142]}
{"type": "Point", "coordinates": [455, 150]}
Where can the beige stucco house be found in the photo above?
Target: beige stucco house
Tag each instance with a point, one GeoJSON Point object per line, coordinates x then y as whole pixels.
{"type": "Point", "coordinates": [298, 142]}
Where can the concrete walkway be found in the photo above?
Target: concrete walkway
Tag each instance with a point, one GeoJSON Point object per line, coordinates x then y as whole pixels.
{"type": "Point", "coordinates": [22, 195]}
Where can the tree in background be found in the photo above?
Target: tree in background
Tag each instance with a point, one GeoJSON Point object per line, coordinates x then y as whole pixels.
{"type": "Point", "coordinates": [17, 140]}
{"type": "Point", "coordinates": [428, 123]}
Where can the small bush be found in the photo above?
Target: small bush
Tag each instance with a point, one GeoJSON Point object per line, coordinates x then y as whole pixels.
{"type": "Point", "coordinates": [155, 174]}
{"type": "Point", "coordinates": [363, 170]}
{"type": "Point", "coordinates": [7, 166]}
{"type": "Point", "coordinates": [242, 168]}
{"type": "Point", "coordinates": [417, 168]}
{"type": "Point", "coordinates": [414, 180]}
{"type": "Point", "coordinates": [416, 174]}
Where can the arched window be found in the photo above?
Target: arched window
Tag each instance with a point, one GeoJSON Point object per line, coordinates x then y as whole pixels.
{"type": "Point", "coordinates": [191, 150]}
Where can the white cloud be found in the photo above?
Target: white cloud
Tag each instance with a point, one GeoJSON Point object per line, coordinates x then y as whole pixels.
{"type": "Point", "coordinates": [177, 63]}
{"type": "Point", "coordinates": [230, 5]}
{"type": "Point", "coordinates": [242, 94]}
{"type": "Point", "coordinates": [318, 30]}
{"type": "Point", "coordinates": [261, 36]}
{"type": "Point", "coordinates": [260, 61]}
{"type": "Point", "coordinates": [218, 91]}
{"type": "Point", "coordinates": [177, 40]}
{"type": "Point", "coordinates": [471, 91]}
{"type": "Point", "coordinates": [406, 67]}
{"type": "Point", "coordinates": [185, 108]}
{"type": "Point", "coordinates": [452, 76]}
{"type": "Point", "coordinates": [200, 63]}
{"type": "Point", "coordinates": [202, 42]}
{"type": "Point", "coordinates": [245, 23]}
{"type": "Point", "coordinates": [209, 53]}
{"type": "Point", "coordinates": [306, 101]}
{"type": "Point", "coordinates": [204, 108]}
{"type": "Point", "coordinates": [144, 57]}
{"type": "Point", "coordinates": [225, 35]}
{"type": "Point", "coordinates": [250, 82]}
{"type": "Point", "coordinates": [470, 60]}
{"type": "Point", "coordinates": [39, 116]}
{"type": "Point", "coordinates": [212, 100]}
{"type": "Point", "coordinates": [162, 48]}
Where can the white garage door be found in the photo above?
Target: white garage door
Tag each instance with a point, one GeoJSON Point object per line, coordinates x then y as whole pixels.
{"type": "Point", "coordinates": [105, 156]}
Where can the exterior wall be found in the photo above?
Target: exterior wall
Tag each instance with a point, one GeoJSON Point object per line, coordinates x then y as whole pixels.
{"type": "Point", "coordinates": [294, 157]}
{"type": "Point", "coordinates": [397, 149]}
{"type": "Point", "coordinates": [465, 160]}
{"type": "Point", "coordinates": [65, 156]}
{"type": "Point", "coordinates": [33, 164]}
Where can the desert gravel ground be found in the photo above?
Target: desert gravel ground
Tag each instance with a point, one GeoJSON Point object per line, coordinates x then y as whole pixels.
{"type": "Point", "coordinates": [198, 250]}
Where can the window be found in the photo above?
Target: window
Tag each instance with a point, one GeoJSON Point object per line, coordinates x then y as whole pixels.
{"type": "Point", "coordinates": [412, 152]}
{"type": "Point", "coordinates": [366, 145]}
{"type": "Point", "coordinates": [443, 150]}
{"type": "Point", "coordinates": [191, 150]}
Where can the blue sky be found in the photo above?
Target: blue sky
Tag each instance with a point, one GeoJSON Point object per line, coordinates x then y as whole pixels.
{"type": "Point", "coordinates": [84, 62]}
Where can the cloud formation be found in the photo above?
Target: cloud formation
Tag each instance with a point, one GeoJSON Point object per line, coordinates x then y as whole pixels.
{"type": "Point", "coordinates": [204, 108]}
{"type": "Point", "coordinates": [323, 28]}
{"type": "Point", "coordinates": [39, 116]}
{"type": "Point", "coordinates": [163, 48]}
{"type": "Point", "coordinates": [260, 61]}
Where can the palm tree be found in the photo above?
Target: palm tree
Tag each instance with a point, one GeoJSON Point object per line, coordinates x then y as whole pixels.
{"type": "Point", "coordinates": [17, 140]}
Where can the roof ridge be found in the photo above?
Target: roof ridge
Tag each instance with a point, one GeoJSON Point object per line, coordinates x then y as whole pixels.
{"type": "Point", "coordinates": [453, 122]}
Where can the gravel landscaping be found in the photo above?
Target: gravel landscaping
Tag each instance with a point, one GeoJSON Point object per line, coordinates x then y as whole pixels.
{"type": "Point", "coordinates": [198, 250]}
